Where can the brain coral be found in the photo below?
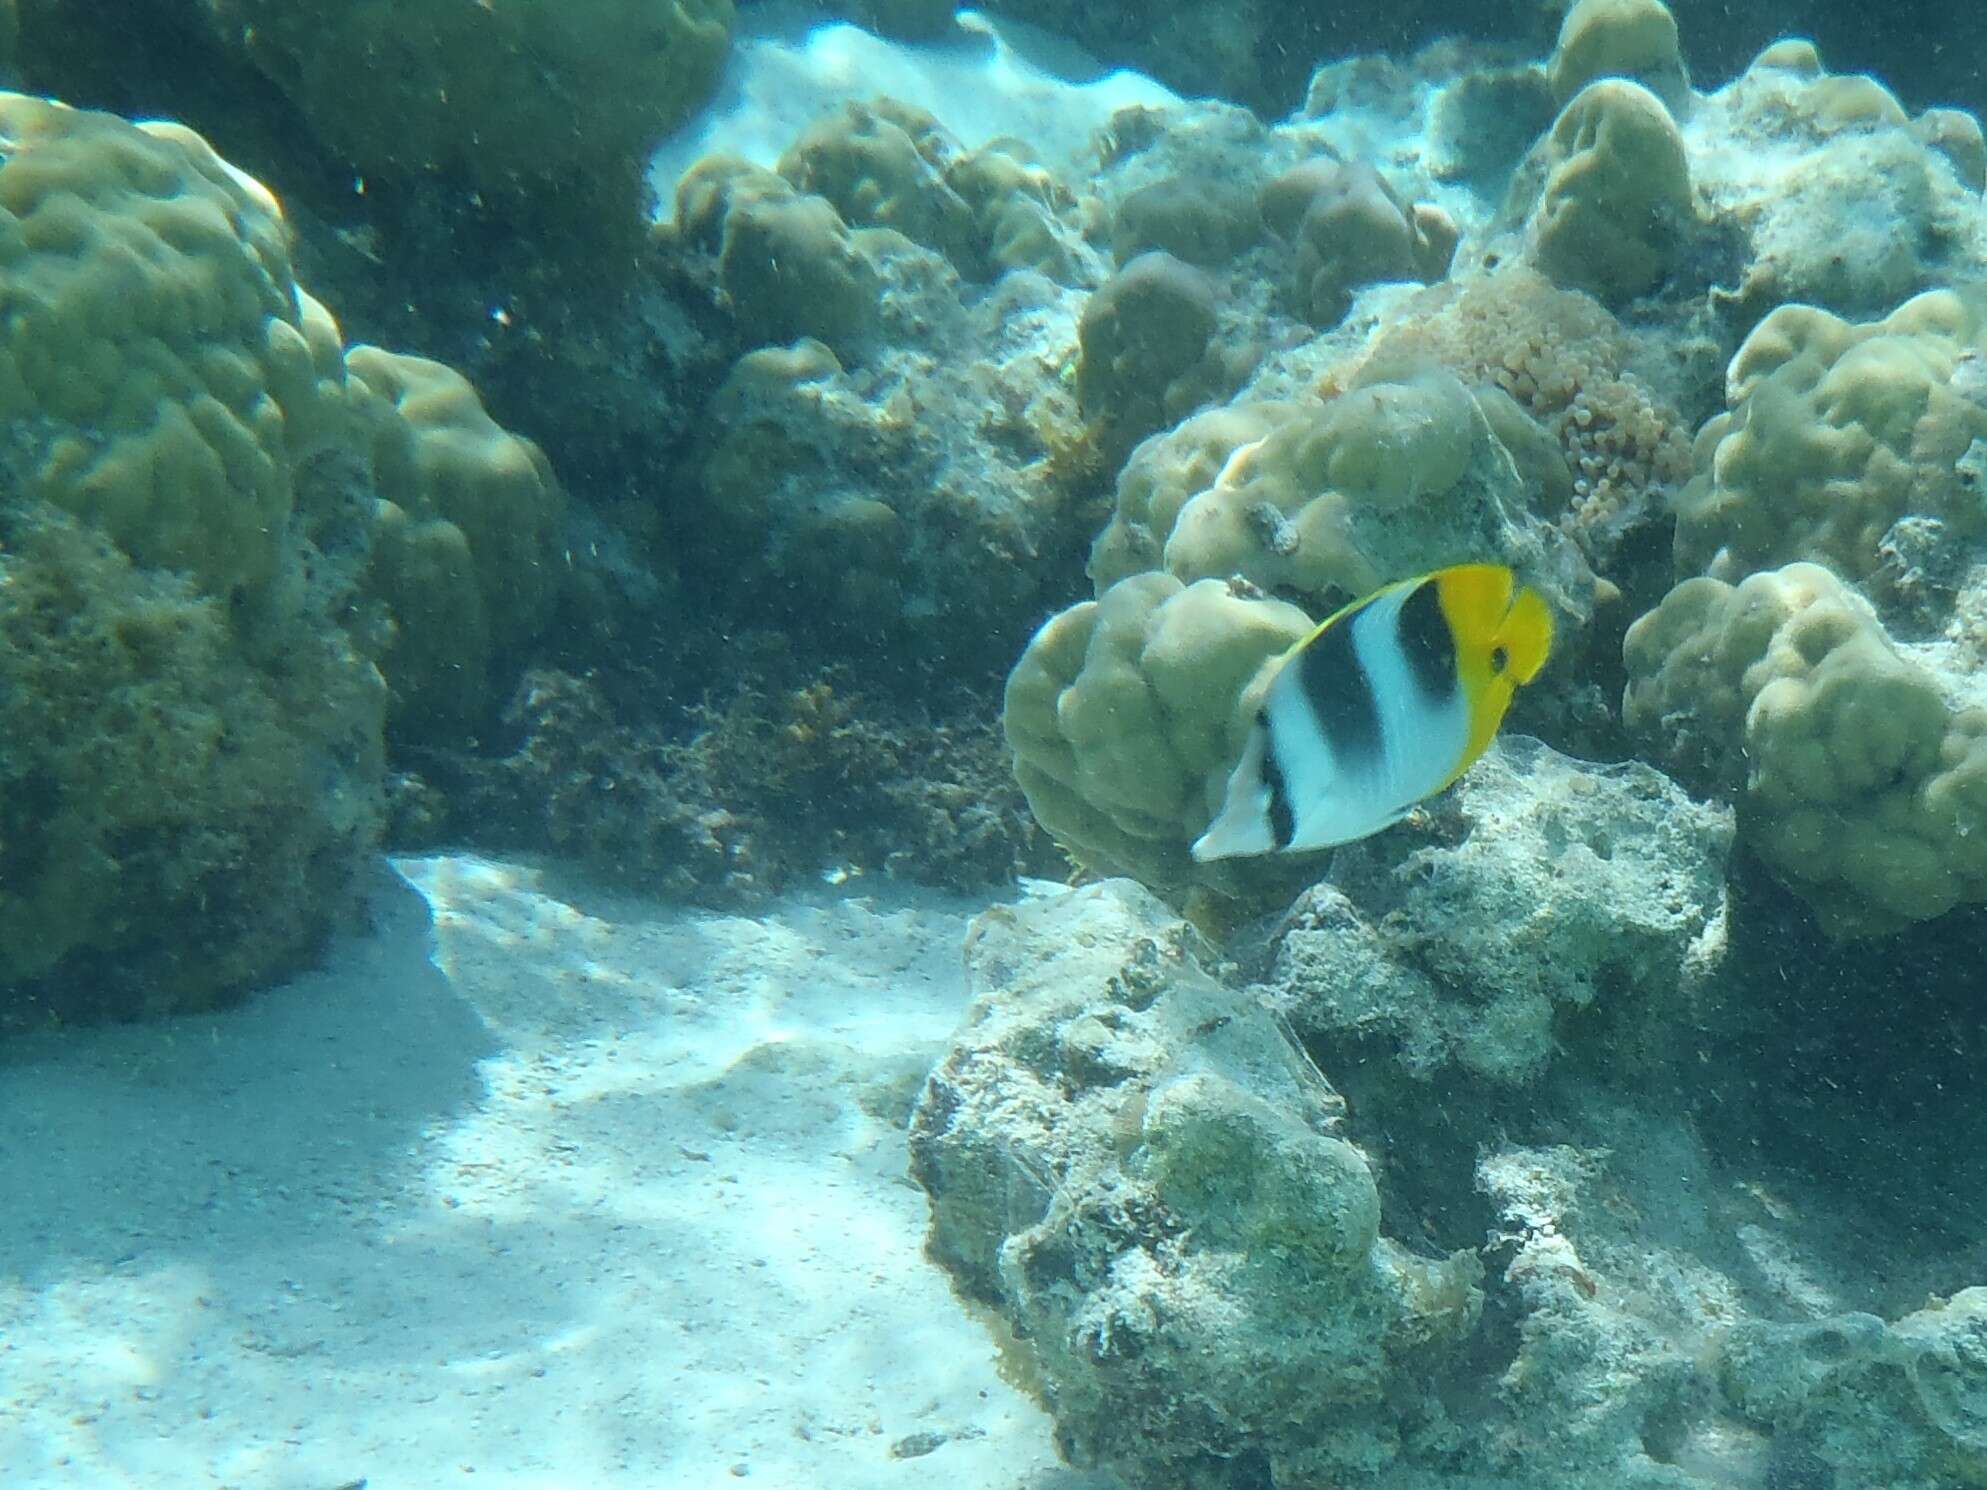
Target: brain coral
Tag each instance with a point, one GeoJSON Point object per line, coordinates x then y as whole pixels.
{"type": "Point", "coordinates": [518, 97]}
{"type": "Point", "coordinates": [1834, 432]}
{"type": "Point", "coordinates": [1858, 781]}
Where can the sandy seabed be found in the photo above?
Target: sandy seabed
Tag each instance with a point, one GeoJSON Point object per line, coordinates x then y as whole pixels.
{"type": "Point", "coordinates": [534, 1185]}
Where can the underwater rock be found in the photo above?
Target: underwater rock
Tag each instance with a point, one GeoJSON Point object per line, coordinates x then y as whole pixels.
{"type": "Point", "coordinates": [1843, 201]}
{"type": "Point", "coordinates": [1556, 893]}
{"type": "Point", "coordinates": [1136, 1169]}
{"type": "Point", "coordinates": [1871, 1403]}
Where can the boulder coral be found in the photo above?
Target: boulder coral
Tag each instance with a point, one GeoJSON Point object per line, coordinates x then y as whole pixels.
{"type": "Point", "coordinates": [1859, 773]}
{"type": "Point", "coordinates": [1616, 208]}
{"type": "Point", "coordinates": [1145, 347]}
{"type": "Point", "coordinates": [1387, 480]}
{"type": "Point", "coordinates": [1203, 222]}
{"type": "Point", "coordinates": [1125, 714]}
{"type": "Point", "coordinates": [881, 166]}
{"type": "Point", "coordinates": [198, 603]}
{"type": "Point", "coordinates": [787, 264]}
{"type": "Point", "coordinates": [1164, 473]}
{"type": "Point", "coordinates": [1834, 434]}
{"type": "Point", "coordinates": [464, 543]}
{"type": "Point", "coordinates": [1349, 229]}
{"type": "Point", "coordinates": [1635, 39]}
{"type": "Point", "coordinates": [190, 749]}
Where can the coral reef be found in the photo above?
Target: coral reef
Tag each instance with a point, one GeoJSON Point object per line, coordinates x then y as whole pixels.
{"type": "Point", "coordinates": [205, 571]}
{"type": "Point", "coordinates": [1859, 778]}
{"type": "Point", "coordinates": [1836, 432]}
{"type": "Point", "coordinates": [1541, 1137]}
{"type": "Point", "coordinates": [552, 102]}
{"type": "Point", "coordinates": [1137, 1168]}
{"type": "Point", "coordinates": [756, 794]}
{"type": "Point", "coordinates": [1554, 893]}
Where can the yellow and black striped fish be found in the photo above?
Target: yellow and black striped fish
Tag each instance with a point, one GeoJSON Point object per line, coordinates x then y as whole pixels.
{"type": "Point", "coordinates": [1382, 706]}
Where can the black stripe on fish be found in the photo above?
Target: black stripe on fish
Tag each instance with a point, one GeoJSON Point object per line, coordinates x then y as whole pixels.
{"type": "Point", "coordinates": [1427, 643]}
{"type": "Point", "coordinates": [1282, 821]}
{"type": "Point", "coordinates": [1339, 692]}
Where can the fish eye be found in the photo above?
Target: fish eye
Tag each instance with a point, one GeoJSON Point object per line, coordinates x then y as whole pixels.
{"type": "Point", "coordinates": [1499, 659]}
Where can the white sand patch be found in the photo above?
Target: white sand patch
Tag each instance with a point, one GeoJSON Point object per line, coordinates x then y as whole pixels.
{"type": "Point", "coordinates": [535, 1187]}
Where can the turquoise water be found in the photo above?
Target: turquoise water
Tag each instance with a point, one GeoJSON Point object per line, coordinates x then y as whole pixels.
{"type": "Point", "coordinates": [616, 621]}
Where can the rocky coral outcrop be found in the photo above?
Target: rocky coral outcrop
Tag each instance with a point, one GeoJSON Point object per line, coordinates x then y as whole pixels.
{"type": "Point", "coordinates": [1137, 1169]}
{"type": "Point", "coordinates": [1555, 893]}
{"type": "Point", "coordinates": [198, 577]}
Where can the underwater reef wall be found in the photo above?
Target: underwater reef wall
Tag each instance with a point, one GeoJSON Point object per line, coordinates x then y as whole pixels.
{"type": "Point", "coordinates": [1609, 1122]}
{"type": "Point", "coordinates": [234, 556]}
{"type": "Point", "coordinates": [1624, 1077]}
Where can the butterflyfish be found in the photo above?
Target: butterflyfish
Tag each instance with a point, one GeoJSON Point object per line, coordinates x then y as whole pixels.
{"type": "Point", "coordinates": [1385, 704]}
